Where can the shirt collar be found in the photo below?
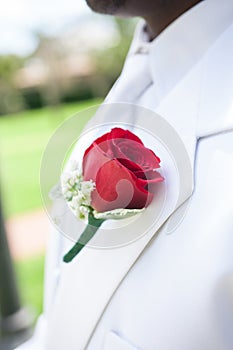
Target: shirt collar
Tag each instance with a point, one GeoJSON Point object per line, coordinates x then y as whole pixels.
{"type": "Point", "coordinates": [184, 42]}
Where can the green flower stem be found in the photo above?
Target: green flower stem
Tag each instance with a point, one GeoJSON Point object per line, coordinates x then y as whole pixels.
{"type": "Point", "coordinates": [89, 232]}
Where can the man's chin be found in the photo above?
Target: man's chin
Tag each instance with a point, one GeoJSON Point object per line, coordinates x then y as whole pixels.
{"type": "Point", "coordinates": [105, 6]}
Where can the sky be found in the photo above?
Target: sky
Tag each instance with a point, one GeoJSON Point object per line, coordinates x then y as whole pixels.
{"type": "Point", "coordinates": [20, 18]}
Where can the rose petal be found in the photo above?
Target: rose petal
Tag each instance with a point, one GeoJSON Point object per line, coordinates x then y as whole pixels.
{"type": "Point", "coordinates": [123, 170]}
{"type": "Point", "coordinates": [149, 175]}
{"type": "Point", "coordinates": [140, 155]}
{"type": "Point", "coordinates": [93, 160]}
{"type": "Point", "coordinates": [118, 133]}
{"type": "Point", "coordinates": [130, 165]}
{"type": "Point", "coordinates": [117, 187]}
{"type": "Point", "coordinates": [101, 142]}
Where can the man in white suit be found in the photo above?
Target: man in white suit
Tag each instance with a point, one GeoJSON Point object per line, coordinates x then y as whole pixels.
{"type": "Point", "coordinates": [169, 291]}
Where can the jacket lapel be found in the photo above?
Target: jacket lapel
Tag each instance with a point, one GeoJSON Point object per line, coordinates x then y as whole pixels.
{"type": "Point", "coordinates": [97, 273]}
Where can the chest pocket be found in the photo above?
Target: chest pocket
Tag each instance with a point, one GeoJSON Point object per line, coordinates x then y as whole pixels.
{"type": "Point", "coordinates": [114, 342]}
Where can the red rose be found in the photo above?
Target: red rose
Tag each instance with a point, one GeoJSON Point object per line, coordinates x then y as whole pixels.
{"type": "Point", "coordinates": [123, 170]}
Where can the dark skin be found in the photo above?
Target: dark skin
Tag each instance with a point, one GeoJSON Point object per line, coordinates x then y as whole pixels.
{"type": "Point", "coordinates": [158, 14]}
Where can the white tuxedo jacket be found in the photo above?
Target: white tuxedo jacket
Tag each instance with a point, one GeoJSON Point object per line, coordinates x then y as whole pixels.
{"type": "Point", "coordinates": [174, 292]}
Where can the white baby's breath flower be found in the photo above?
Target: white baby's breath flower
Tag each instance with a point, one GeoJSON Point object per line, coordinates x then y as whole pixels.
{"type": "Point", "coordinates": [77, 192]}
{"type": "Point", "coordinates": [72, 181]}
{"type": "Point", "coordinates": [68, 195]}
{"type": "Point", "coordinates": [83, 212]}
{"type": "Point", "coordinates": [87, 186]}
{"type": "Point", "coordinates": [75, 203]}
{"type": "Point", "coordinates": [65, 178]}
{"type": "Point", "coordinates": [86, 189]}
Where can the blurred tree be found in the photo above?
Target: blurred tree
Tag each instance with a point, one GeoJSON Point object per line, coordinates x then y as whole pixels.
{"type": "Point", "coordinates": [49, 52]}
{"type": "Point", "coordinates": [11, 99]}
{"type": "Point", "coordinates": [68, 67]}
{"type": "Point", "coordinates": [109, 62]}
{"type": "Point", "coordinates": [8, 65]}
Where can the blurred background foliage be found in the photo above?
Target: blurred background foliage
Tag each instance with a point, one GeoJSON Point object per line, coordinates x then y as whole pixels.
{"type": "Point", "coordinates": [65, 68]}
{"type": "Point", "coordinates": [67, 71]}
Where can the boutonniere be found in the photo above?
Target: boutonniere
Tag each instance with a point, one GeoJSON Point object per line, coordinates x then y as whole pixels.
{"type": "Point", "coordinates": [117, 179]}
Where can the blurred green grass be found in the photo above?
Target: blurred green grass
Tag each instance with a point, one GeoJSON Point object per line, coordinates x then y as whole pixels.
{"type": "Point", "coordinates": [23, 138]}
{"type": "Point", "coordinates": [30, 276]}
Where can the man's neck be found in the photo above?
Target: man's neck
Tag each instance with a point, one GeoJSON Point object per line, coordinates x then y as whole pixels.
{"type": "Point", "coordinates": [160, 19]}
